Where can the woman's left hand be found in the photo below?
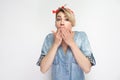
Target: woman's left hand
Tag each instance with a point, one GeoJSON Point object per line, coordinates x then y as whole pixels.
{"type": "Point", "coordinates": [67, 36]}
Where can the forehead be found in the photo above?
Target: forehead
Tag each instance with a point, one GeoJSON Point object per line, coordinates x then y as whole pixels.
{"type": "Point", "coordinates": [61, 14]}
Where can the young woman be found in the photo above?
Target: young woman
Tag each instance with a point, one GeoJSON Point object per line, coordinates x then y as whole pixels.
{"type": "Point", "coordinates": [67, 52]}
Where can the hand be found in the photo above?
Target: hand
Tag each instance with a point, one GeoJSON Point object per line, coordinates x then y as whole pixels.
{"type": "Point", "coordinates": [67, 36]}
{"type": "Point", "coordinates": [57, 37]}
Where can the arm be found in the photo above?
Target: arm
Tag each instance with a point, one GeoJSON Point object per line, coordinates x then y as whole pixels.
{"type": "Point", "coordinates": [81, 59]}
{"type": "Point", "coordinates": [48, 59]}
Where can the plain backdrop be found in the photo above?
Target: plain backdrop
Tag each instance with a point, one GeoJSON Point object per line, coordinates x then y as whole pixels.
{"type": "Point", "coordinates": [25, 23]}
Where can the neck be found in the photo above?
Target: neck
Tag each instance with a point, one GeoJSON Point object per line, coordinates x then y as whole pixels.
{"type": "Point", "coordinates": [64, 46]}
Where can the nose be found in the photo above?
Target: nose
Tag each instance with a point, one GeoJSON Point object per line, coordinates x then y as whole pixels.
{"type": "Point", "coordinates": [62, 23]}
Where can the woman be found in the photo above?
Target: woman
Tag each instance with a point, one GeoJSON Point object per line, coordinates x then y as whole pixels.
{"type": "Point", "coordinates": [67, 52]}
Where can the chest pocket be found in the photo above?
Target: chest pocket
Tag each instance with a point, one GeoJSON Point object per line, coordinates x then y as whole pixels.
{"type": "Point", "coordinates": [55, 69]}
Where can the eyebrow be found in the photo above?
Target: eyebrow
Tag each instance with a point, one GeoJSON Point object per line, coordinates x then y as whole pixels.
{"type": "Point", "coordinates": [60, 16]}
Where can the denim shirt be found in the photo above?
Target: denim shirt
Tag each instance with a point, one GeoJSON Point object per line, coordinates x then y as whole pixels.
{"type": "Point", "coordinates": [64, 66]}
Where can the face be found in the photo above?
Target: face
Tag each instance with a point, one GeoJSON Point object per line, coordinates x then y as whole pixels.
{"type": "Point", "coordinates": [62, 21]}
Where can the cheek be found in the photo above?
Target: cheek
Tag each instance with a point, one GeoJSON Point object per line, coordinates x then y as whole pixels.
{"type": "Point", "coordinates": [57, 25]}
{"type": "Point", "coordinates": [68, 26]}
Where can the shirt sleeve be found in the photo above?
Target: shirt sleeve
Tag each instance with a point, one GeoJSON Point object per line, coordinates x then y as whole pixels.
{"type": "Point", "coordinates": [44, 51]}
{"type": "Point", "coordinates": [86, 49]}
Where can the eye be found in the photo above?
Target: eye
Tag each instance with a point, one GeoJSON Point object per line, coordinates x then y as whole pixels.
{"type": "Point", "coordinates": [58, 19]}
{"type": "Point", "coordinates": [67, 19]}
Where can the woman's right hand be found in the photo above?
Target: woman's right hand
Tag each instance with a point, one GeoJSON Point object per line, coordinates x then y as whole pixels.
{"type": "Point", "coordinates": [57, 37]}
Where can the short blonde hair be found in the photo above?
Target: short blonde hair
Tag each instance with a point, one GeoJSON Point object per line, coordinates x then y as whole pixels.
{"type": "Point", "coordinates": [69, 13]}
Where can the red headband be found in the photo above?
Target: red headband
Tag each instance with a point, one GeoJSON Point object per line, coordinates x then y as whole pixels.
{"type": "Point", "coordinates": [55, 11]}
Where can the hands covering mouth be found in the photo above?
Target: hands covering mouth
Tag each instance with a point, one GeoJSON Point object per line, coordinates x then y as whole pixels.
{"type": "Point", "coordinates": [63, 34]}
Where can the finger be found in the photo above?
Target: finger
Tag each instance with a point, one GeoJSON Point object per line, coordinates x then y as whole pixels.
{"type": "Point", "coordinates": [53, 31]}
{"type": "Point", "coordinates": [70, 31]}
{"type": "Point", "coordinates": [63, 30]}
{"type": "Point", "coordinates": [58, 31]}
{"type": "Point", "coordinates": [64, 34]}
{"type": "Point", "coordinates": [59, 34]}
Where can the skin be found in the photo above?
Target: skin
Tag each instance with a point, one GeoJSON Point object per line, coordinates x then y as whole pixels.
{"type": "Point", "coordinates": [64, 36]}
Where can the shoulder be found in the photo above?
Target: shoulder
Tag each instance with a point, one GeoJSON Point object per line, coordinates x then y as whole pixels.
{"type": "Point", "coordinates": [49, 36]}
{"type": "Point", "coordinates": [49, 39]}
{"type": "Point", "coordinates": [80, 33]}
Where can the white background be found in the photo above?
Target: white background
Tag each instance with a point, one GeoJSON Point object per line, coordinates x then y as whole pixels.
{"type": "Point", "coordinates": [25, 23]}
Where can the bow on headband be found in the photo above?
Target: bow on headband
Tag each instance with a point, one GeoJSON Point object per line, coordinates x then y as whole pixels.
{"type": "Point", "coordinates": [55, 11]}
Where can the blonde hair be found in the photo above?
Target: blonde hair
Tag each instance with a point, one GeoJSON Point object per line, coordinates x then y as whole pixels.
{"type": "Point", "coordinates": [69, 13]}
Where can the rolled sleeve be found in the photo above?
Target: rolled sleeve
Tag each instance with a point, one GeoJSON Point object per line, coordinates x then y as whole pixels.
{"type": "Point", "coordinates": [43, 54]}
{"type": "Point", "coordinates": [44, 50]}
{"type": "Point", "coordinates": [91, 59]}
{"type": "Point", "coordinates": [39, 60]}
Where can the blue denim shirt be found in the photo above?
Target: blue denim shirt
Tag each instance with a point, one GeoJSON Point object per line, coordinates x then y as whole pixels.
{"type": "Point", "coordinates": [64, 66]}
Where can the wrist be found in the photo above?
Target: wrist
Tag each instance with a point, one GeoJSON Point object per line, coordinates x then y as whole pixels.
{"type": "Point", "coordinates": [55, 45]}
{"type": "Point", "coordinates": [72, 44]}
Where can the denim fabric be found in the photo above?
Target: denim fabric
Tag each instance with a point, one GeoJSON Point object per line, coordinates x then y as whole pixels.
{"type": "Point", "coordinates": [64, 66]}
